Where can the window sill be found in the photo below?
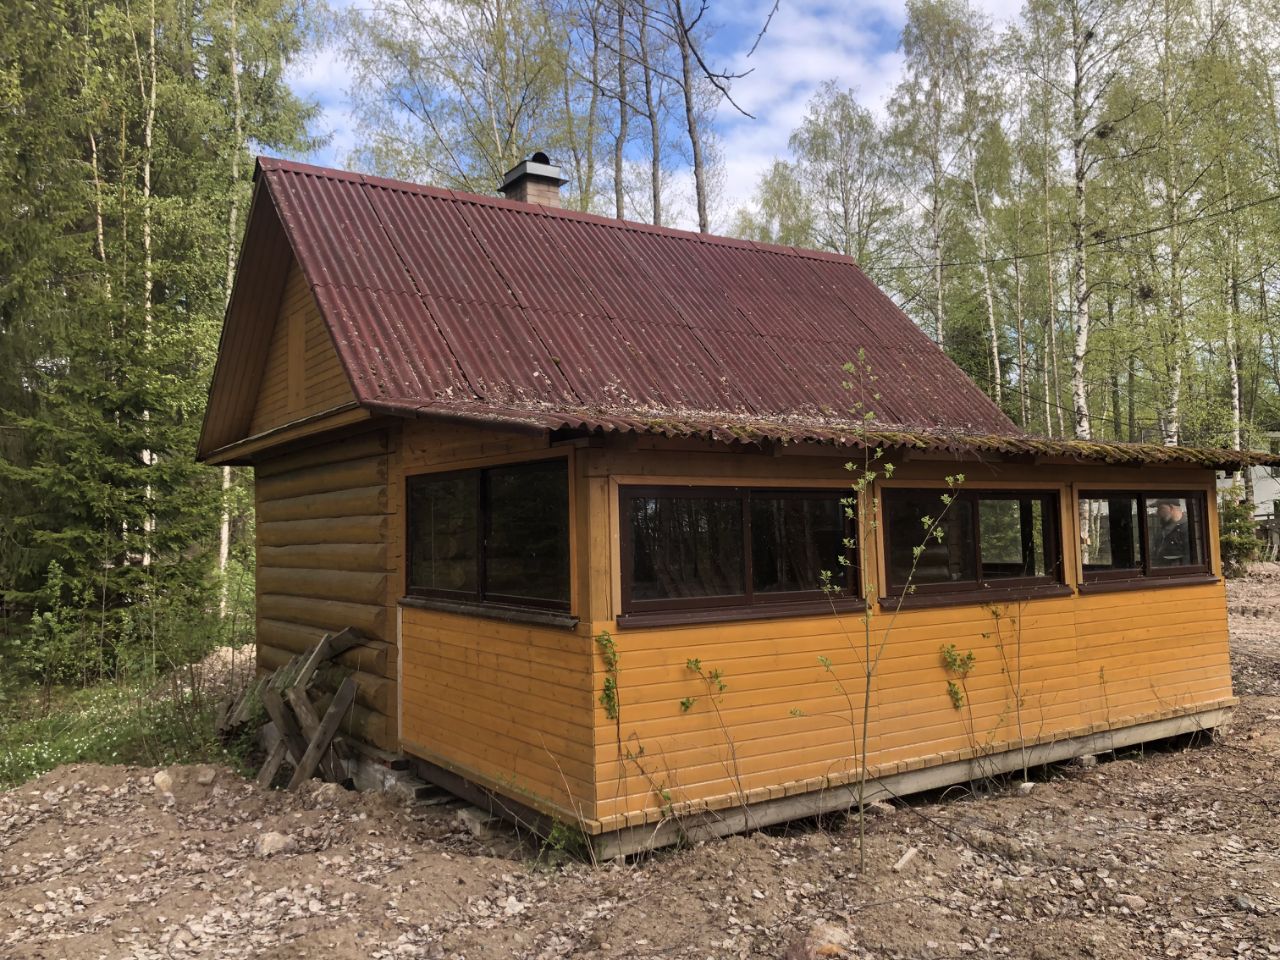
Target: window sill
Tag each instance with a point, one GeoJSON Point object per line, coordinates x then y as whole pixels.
{"type": "Point", "coordinates": [495, 611]}
{"type": "Point", "coordinates": [769, 611]}
{"type": "Point", "coordinates": [975, 598]}
{"type": "Point", "coordinates": [1149, 583]}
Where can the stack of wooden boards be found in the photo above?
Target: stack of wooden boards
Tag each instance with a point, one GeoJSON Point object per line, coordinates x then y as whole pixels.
{"type": "Point", "coordinates": [306, 737]}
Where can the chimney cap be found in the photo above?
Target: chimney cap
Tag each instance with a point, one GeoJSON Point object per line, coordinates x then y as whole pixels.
{"type": "Point", "coordinates": [537, 167]}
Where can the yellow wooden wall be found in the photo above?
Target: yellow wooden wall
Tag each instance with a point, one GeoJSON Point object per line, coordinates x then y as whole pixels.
{"type": "Point", "coordinates": [517, 707]}
{"type": "Point", "coordinates": [326, 560]}
{"type": "Point", "coordinates": [505, 705]}
{"type": "Point", "coordinates": [1044, 669]}
{"type": "Point", "coordinates": [302, 374]}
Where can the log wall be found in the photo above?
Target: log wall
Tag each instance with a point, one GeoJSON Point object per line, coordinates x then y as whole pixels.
{"type": "Point", "coordinates": [326, 560]}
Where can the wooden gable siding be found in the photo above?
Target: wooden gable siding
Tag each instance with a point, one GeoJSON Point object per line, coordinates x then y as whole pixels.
{"type": "Point", "coordinates": [326, 557]}
{"type": "Point", "coordinates": [505, 705]}
{"type": "Point", "coordinates": [302, 374]}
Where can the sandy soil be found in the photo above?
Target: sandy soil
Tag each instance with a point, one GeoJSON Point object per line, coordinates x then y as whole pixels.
{"type": "Point", "coordinates": [1171, 853]}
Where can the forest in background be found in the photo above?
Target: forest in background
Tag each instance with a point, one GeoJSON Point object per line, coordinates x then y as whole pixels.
{"type": "Point", "coordinates": [1081, 209]}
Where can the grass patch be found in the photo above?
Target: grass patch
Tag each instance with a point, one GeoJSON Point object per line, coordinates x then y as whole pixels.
{"type": "Point", "coordinates": [110, 722]}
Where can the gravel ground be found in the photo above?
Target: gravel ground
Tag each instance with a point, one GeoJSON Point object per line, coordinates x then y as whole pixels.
{"type": "Point", "coordinates": [1171, 853]}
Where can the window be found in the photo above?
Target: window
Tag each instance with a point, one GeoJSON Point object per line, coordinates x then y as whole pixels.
{"type": "Point", "coordinates": [988, 538]}
{"type": "Point", "coordinates": [714, 547]}
{"type": "Point", "coordinates": [1128, 535]}
{"type": "Point", "coordinates": [499, 535]}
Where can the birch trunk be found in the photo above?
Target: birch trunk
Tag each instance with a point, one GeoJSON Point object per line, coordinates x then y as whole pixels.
{"type": "Point", "coordinates": [1079, 276]}
{"type": "Point", "coordinates": [688, 75]}
{"type": "Point", "coordinates": [992, 327]}
{"type": "Point", "coordinates": [233, 231]}
{"type": "Point", "coordinates": [147, 91]}
{"type": "Point", "coordinates": [1023, 399]}
{"type": "Point", "coordinates": [619, 193]}
{"type": "Point", "coordinates": [652, 106]}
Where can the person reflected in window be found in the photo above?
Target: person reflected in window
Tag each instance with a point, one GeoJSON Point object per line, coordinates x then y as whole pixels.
{"type": "Point", "coordinates": [1171, 543]}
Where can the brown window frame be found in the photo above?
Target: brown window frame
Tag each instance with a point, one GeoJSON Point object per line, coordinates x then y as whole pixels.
{"type": "Point", "coordinates": [484, 520]}
{"type": "Point", "coordinates": [748, 604]}
{"type": "Point", "coordinates": [1199, 533]}
{"type": "Point", "coordinates": [1051, 508]}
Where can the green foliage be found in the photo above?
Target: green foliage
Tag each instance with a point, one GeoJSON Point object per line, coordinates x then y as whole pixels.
{"type": "Point", "coordinates": [1003, 200]}
{"type": "Point", "coordinates": [135, 721]}
{"type": "Point", "coordinates": [960, 665]}
{"type": "Point", "coordinates": [609, 695]}
{"type": "Point", "coordinates": [1237, 531]}
{"type": "Point", "coordinates": [113, 272]}
{"type": "Point", "coordinates": [566, 841]}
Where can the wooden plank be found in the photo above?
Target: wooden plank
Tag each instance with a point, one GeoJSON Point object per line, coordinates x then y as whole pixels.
{"type": "Point", "coordinates": [368, 588]}
{"type": "Point", "coordinates": [362, 723]}
{"type": "Point", "coordinates": [309, 722]}
{"type": "Point", "coordinates": [252, 694]}
{"type": "Point", "coordinates": [328, 727]}
{"type": "Point", "coordinates": [345, 502]}
{"type": "Point", "coordinates": [270, 767]}
{"type": "Point", "coordinates": [283, 640]}
{"type": "Point", "coordinates": [376, 693]}
{"type": "Point", "coordinates": [292, 737]}
{"type": "Point", "coordinates": [329, 614]}
{"type": "Point", "coordinates": [341, 475]}
{"type": "Point", "coordinates": [355, 557]}
{"type": "Point", "coordinates": [363, 446]}
{"type": "Point", "coordinates": [370, 528]}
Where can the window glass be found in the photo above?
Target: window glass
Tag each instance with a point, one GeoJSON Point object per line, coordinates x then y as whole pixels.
{"type": "Point", "coordinates": [686, 546]}
{"type": "Point", "coordinates": [795, 539]}
{"type": "Point", "coordinates": [499, 535]}
{"type": "Point", "coordinates": [910, 514]}
{"type": "Point", "coordinates": [1110, 533]}
{"type": "Point", "coordinates": [527, 535]}
{"type": "Point", "coordinates": [1173, 525]}
{"type": "Point", "coordinates": [1012, 537]}
{"type": "Point", "coordinates": [443, 534]}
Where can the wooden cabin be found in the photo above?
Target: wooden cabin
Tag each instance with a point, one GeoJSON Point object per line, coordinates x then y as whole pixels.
{"type": "Point", "coordinates": [583, 485]}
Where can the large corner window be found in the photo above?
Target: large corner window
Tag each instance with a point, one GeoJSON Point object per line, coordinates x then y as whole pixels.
{"type": "Point", "coordinates": [498, 535]}
{"type": "Point", "coordinates": [1130, 536]}
{"type": "Point", "coordinates": [717, 550]}
{"type": "Point", "coordinates": [980, 540]}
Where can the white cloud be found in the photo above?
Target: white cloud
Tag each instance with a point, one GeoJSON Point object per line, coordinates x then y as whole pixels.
{"type": "Point", "coordinates": [325, 77]}
{"type": "Point", "coordinates": [853, 43]}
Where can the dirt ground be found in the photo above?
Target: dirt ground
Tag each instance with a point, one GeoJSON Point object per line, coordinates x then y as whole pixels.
{"type": "Point", "coordinates": [1175, 853]}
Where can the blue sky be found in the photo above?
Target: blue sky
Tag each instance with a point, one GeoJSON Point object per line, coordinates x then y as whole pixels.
{"type": "Point", "coordinates": [855, 43]}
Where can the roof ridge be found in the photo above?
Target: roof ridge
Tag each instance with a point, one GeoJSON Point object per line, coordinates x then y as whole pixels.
{"type": "Point", "coordinates": [272, 164]}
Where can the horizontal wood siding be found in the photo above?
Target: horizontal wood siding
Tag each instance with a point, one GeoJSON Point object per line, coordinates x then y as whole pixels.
{"type": "Point", "coordinates": [508, 706]}
{"type": "Point", "coordinates": [302, 374]}
{"type": "Point", "coordinates": [325, 561]}
{"type": "Point", "coordinates": [785, 723]}
{"type": "Point", "coordinates": [518, 708]}
{"type": "Point", "coordinates": [1159, 650]}
{"type": "Point", "coordinates": [505, 705]}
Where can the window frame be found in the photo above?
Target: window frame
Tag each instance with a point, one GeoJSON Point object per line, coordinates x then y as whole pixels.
{"type": "Point", "coordinates": [1053, 545]}
{"type": "Point", "coordinates": [484, 518]}
{"type": "Point", "coordinates": [1199, 533]}
{"type": "Point", "coordinates": [750, 603]}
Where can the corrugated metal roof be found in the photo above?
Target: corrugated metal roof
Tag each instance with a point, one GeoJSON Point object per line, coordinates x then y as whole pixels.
{"type": "Point", "coordinates": [458, 306]}
{"type": "Point", "coordinates": [439, 298]}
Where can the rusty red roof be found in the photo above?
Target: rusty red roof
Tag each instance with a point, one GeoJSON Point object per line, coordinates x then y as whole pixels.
{"type": "Point", "coordinates": [455, 305]}
{"type": "Point", "coordinates": [441, 299]}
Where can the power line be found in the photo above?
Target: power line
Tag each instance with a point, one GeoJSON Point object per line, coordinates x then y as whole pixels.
{"type": "Point", "coordinates": [1089, 245]}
